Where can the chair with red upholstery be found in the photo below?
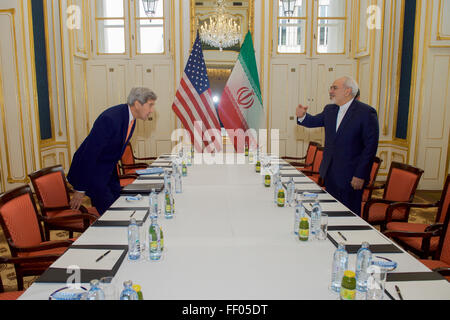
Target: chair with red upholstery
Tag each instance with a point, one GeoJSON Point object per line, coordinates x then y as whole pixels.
{"type": "Point", "coordinates": [314, 173]}
{"type": "Point", "coordinates": [305, 162]}
{"type": "Point", "coordinates": [21, 226]}
{"type": "Point", "coordinates": [368, 190]}
{"type": "Point", "coordinates": [14, 295]}
{"type": "Point", "coordinates": [128, 162]}
{"type": "Point", "coordinates": [441, 263]}
{"type": "Point", "coordinates": [52, 192]}
{"type": "Point", "coordinates": [125, 179]}
{"type": "Point", "coordinates": [421, 239]}
{"type": "Point", "coordinates": [400, 186]}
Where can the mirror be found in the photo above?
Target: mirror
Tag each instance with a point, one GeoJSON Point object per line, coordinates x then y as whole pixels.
{"type": "Point", "coordinates": [240, 12]}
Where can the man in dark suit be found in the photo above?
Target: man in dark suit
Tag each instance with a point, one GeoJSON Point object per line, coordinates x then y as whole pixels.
{"type": "Point", "coordinates": [351, 142]}
{"type": "Point", "coordinates": [93, 171]}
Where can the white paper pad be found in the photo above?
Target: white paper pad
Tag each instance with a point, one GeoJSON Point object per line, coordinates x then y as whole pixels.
{"type": "Point", "coordinates": [118, 215]}
{"type": "Point", "coordinates": [357, 237]}
{"type": "Point", "coordinates": [328, 206]}
{"type": "Point", "coordinates": [85, 259]}
{"type": "Point", "coordinates": [419, 290]}
{"type": "Point", "coordinates": [297, 179]}
{"type": "Point", "coordinates": [122, 203]}
{"type": "Point", "coordinates": [307, 187]}
{"type": "Point", "coordinates": [147, 181]}
{"type": "Point", "coordinates": [289, 170]}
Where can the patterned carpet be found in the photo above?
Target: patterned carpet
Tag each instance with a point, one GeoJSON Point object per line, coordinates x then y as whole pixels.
{"type": "Point", "coordinates": [8, 275]}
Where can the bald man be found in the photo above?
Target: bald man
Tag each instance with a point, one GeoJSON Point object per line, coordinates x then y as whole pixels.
{"type": "Point", "coordinates": [351, 142]}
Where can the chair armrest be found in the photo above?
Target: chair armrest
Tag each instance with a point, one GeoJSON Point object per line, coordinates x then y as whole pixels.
{"type": "Point", "coordinates": [128, 176]}
{"type": "Point", "coordinates": [372, 186]}
{"type": "Point", "coordinates": [309, 172]}
{"type": "Point", "coordinates": [135, 166]}
{"type": "Point", "coordinates": [406, 205]}
{"type": "Point", "coordinates": [443, 271]}
{"type": "Point", "coordinates": [299, 164]}
{"type": "Point", "coordinates": [44, 246]}
{"type": "Point", "coordinates": [369, 203]}
{"type": "Point", "coordinates": [409, 234]}
{"type": "Point", "coordinates": [35, 259]}
{"type": "Point", "coordinates": [294, 158]}
{"type": "Point", "coordinates": [437, 227]}
{"type": "Point", "coordinates": [70, 217]}
{"type": "Point", "coordinates": [145, 159]}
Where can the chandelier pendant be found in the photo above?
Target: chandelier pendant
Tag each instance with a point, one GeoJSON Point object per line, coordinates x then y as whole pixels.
{"type": "Point", "coordinates": [222, 30]}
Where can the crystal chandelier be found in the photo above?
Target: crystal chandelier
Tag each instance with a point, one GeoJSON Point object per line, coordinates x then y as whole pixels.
{"type": "Point", "coordinates": [149, 7]}
{"type": "Point", "coordinates": [222, 30]}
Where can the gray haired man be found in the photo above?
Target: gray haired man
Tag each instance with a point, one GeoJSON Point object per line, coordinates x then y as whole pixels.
{"type": "Point", "coordinates": [93, 170]}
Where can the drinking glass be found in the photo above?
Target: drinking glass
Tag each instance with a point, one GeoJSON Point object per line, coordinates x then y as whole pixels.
{"type": "Point", "coordinates": [323, 227]}
{"type": "Point", "coordinates": [376, 282]}
{"type": "Point", "coordinates": [109, 288]}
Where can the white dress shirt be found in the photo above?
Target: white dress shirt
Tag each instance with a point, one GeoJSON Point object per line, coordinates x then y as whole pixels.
{"type": "Point", "coordinates": [341, 114]}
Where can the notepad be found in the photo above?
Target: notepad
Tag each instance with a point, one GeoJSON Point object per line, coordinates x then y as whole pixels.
{"type": "Point", "coordinates": [357, 237]}
{"type": "Point", "coordinates": [307, 187]}
{"type": "Point", "coordinates": [297, 179]}
{"type": "Point", "coordinates": [123, 215]}
{"type": "Point", "coordinates": [122, 203]}
{"type": "Point", "coordinates": [327, 207]}
{"type": "Point", "coordinates": [153, 170]}
{"type": "Point", "coordinates": [86, 259]}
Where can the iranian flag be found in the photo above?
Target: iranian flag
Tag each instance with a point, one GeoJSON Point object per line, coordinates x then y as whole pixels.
{"type": "Point", "coordinates": [241, 104]}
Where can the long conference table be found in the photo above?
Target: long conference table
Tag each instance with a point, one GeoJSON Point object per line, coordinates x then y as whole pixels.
{"type": "Point", "coordinates": [228, 240]}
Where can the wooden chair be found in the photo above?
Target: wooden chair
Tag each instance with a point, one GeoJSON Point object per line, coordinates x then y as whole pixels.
{"type": "Point", "coordinates": [441, 263]}
{"type": "Point", "coordinates": [52, 192]}
{"type": "Point", "coordinates": [314, 172]}
{"type": "Point", "coordinates": [20, 221]}
{"type": "Point", "coordinates": [125, 179]}
{"type": "Point", "coordinates": [400, 186]}
{"type": "Point", "coordinates": [305, 162]}
{"type": "Point", "coordinates": [368, 190]}
{"type": "Point", "coordinates": [421, 239]}
{"type": "Point", "coordinates": [128, 162]}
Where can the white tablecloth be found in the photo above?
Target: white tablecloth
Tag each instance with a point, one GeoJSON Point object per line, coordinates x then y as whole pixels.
{"type": "Point", "coordinates": [228, 240]}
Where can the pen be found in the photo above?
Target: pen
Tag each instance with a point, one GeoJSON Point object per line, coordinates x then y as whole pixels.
{"type": "Point", "coordinates": [342, 236]}
{"type": "Point", "coordinates": [102, 256]}
{"type": "Point", "coordinates": [383, 258]}
{"type": "Point", "coordinates": [398, 292]}
{"type": "Point", "coordinates": [133, 214]}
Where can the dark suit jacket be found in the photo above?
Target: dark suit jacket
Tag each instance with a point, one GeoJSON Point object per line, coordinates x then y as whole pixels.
{"type": "Point", "coordinates": [93, 166]}
{"type": "Point", "coordinates": [353, 147]}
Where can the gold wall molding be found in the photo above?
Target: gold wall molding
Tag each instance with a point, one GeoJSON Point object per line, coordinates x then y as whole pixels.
{"type": "Point", "coordinates": [11, 15]}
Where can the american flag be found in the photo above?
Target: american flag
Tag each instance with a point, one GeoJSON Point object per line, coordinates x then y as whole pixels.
{"type": "Point", "coordinates": [193, 103]}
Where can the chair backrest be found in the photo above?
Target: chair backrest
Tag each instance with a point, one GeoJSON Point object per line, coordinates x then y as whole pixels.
{"type": "Point", "coordinates": [375, 168]}
{"type": "Point", "coordinates": [50, 187]}
{"type": "Point", "coordinates": [18, 218]}
{"type": "Point", "coordinates": [311, 152]}
{"type": "Point", "coordinates": [444, 203]}
{"type": "Point", "coordinates": [318, 159]}
{"type": "Point", "coordinates": [402, 182]}
{"type": "Point", "coordinates": [127, 157]}
{"type": "Point", "coordinates": [444, 243]}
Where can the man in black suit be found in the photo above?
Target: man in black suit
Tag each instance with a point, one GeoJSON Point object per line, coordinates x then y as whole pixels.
{"type": "Point", "coordinates": [351, 142]}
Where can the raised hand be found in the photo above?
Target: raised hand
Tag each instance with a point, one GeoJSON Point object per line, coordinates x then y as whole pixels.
{"type": "Point", "coordinates": [301, 111]}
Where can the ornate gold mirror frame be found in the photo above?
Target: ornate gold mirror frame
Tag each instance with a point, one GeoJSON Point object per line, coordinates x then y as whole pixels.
{"type": "Point", "coordinates": [243, 11]}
